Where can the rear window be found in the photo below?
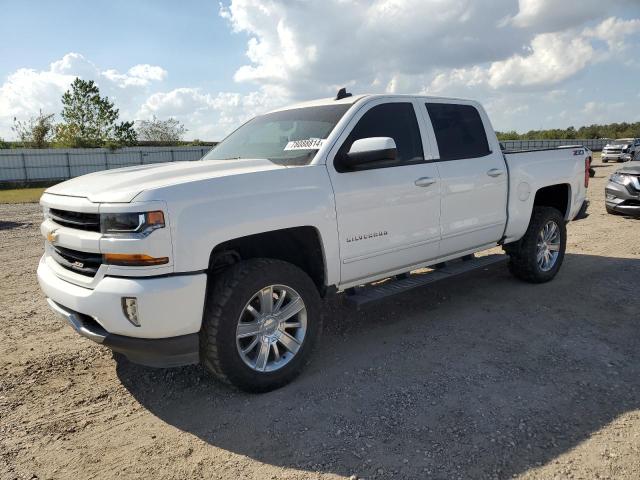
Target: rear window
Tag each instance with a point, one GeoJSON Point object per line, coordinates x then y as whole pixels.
{"type": "Point", "coordinates": [459, 131]}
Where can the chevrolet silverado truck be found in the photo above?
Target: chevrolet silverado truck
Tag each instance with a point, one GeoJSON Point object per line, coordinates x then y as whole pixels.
{"type": "Point", "coordinates": [224, 261]}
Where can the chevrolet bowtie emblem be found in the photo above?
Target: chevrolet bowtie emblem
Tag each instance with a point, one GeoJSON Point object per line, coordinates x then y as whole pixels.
{"type": "Point", "coordinates": [52, 236]}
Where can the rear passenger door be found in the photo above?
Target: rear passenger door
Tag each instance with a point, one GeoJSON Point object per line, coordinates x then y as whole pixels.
{"type": "Point", "coordinates": [473, 175]}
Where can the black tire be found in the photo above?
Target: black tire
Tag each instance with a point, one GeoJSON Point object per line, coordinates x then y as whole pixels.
{"type": "Point", "coordinates": [611, 211]}
{"type": "Point", "coordinates": [604, 160]}
{"type": "Point", "coordinates": [523, 263]}
{"type": "Point", "coordinates": [227, 296]}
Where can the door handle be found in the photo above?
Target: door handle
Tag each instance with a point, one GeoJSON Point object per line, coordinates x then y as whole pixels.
{"type": "Point", "coordinates": [495, 172]}
{"type": "Point", "coordinates": [425, 181]}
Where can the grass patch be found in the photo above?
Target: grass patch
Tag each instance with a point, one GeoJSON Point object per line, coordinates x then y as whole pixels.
{"type": "Point", "coordinates": [21, 195]}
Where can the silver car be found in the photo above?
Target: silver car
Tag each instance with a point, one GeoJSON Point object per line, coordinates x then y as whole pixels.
{"type": "Point", "coordinates": [622, 150]}
{"type": "Point", "coordinates": [622, 193]}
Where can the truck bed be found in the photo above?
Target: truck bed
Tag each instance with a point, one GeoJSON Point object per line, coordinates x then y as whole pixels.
{"type": "Point", "coordinates": [531, 170]}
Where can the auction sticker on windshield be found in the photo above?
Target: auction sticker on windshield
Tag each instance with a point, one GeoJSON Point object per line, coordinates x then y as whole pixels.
{"type": "Point", "coordinates": [309, 144]}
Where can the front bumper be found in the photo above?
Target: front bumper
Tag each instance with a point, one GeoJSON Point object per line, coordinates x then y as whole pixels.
{"type": "Point", "coordinates": [619, 199]}
{"type": "Point", "coordinates": [158, 352]}
{"type": "Point", "coordinates": [169, 308]}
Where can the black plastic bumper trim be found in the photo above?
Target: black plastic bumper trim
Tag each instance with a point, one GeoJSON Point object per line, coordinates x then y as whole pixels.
{"type": "Point", "coordinates": [152, 352]}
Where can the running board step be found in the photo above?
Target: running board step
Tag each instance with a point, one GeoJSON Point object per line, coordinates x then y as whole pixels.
{"type": "Point", "coordinates": [360, 296]}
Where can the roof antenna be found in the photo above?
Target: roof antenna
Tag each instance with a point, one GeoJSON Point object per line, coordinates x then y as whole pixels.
{"type": "Point", "coordinates": [342, 93]}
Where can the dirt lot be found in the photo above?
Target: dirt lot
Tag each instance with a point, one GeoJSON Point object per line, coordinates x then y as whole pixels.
{"type": "Point", "coordinates": [480, 376]}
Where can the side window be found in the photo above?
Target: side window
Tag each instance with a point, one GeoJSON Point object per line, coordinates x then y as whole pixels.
{"type": "Point", "coordinates": [395, 120]}
{"type": "Point", "coordinates": [459, 131]}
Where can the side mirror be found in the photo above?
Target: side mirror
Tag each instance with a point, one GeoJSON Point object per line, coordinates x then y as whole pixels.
{"type": "Point", "coordinates": [370, 150]}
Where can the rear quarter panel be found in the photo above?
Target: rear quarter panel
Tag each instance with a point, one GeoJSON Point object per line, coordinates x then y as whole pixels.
{"type": "Point", "coordinates": [531, 171]}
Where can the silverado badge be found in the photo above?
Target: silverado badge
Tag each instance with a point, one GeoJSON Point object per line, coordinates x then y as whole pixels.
{"type": "Point", "coordinates": [364, 236]}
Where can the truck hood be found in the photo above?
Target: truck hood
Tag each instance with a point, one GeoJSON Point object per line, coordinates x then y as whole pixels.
{"type": "Point", "coordinates": [617, 145]}
{"type": "Point", "coordinates": [122, 185]}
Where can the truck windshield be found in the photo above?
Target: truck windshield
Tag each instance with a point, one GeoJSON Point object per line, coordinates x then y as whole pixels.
{"type": "Point", "coordinates": [288, 137]}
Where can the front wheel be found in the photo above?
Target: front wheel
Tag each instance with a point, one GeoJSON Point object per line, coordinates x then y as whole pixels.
{"type": "Point", "coordinates": [537, 256]}
{"type": "Point", "coordinates": [261, 321]}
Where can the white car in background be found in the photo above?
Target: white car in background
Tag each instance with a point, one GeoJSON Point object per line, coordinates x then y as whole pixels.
{"type": "Point", "coordinates": [622, 150]}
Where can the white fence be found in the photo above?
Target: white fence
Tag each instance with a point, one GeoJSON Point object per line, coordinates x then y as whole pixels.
{"type": "Point", "coordinates": [51, 164]}
{"type": "Point", "coordinates": [596, 144]}
{"type": "Point", "coordinates": [41, 165]}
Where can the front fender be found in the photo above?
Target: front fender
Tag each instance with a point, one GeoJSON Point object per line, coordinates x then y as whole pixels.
{"type": "Point", "coordinates": [206, 213]}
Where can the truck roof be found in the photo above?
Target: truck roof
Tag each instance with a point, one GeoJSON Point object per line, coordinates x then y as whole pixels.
{"type": "Point", "coordinates": [354, 98]}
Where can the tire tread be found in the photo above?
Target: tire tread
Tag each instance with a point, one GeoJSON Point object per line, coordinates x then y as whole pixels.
{"type": "Point", "coordinates": [221, 289]}
{"type": "Point", "coordinates": [522, 258]}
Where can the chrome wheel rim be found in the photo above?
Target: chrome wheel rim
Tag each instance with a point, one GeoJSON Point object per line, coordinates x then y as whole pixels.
{"type": "Point", "coordinates": [271, 328]}
{"type": "Point", "coordinates": [548, 246]}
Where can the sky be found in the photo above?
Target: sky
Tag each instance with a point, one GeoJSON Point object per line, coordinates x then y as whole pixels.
{"type": "Point", "coordinates": [534, 64]}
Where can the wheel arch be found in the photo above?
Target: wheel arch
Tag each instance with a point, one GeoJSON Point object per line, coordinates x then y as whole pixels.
{"type": "Point", "coordinates": [557, 196]}
{"type": "Point", "coordinates": [301, 246]}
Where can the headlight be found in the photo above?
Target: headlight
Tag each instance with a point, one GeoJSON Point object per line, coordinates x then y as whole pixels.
{"type": "Point", "coordinates": [127, 223]}
{"type": "Point", "coordinates": [620, 178]}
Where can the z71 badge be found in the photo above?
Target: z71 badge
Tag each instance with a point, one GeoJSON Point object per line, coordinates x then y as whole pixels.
{"type": "Point", "coordinates": [365, 236]}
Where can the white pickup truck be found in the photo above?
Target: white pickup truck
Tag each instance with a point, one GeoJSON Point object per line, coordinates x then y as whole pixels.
{"type": "Point", "coordinates": [224, 261]}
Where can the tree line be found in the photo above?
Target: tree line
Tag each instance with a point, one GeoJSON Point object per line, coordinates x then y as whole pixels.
{"type": "Point", "coordinates": [91, 120]}
{"type": "Point", "coordinates": [611, 130]}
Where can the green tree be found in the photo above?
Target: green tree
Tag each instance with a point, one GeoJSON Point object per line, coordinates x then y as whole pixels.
{"type": "Point", "coordinates": [37, 132]}
{"type": "Point", "coordinates": [89, 120]}
{"type": "Point", "coordinates": [163, 131]}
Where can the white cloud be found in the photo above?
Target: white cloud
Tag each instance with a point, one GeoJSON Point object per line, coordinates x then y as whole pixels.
{"type": "Point", "coordinates": [554, 15]}
{"type": "Point", "coordinates": [310, 47]}
{"type": "Point", "coordinates": [27, 90]}
{"type": "Point", "coordinates": [139, 76]}
{"type": "Point", "coordinates": [549, 60]}
{"type": "Point", "coordinates": [494, 50]}
{"type": "Point", "coordinates": [393, 45]}
{"type": "Point", "coordinates": [614, 31]}
{"type": "Point", "coordinates": [552, 58]}
{"type": "Point", "coordinates": [604, 112]}
{"type": "Point", "coordinates": [209, 116]}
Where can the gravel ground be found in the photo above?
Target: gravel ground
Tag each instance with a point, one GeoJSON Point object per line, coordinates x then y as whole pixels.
{"type": "Point", "coordinates": [480, 376]}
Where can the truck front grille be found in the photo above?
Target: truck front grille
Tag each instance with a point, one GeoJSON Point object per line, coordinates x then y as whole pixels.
{"type": "Point", "coordinates": [78, 220]}
{"type": "Point", "coordinates": [80, 262]}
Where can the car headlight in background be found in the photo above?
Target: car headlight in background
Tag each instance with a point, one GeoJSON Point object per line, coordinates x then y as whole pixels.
{"type": "Point", "coordinates": [131, 223]}
{"type": "Point", "coordinates": [620, 178]}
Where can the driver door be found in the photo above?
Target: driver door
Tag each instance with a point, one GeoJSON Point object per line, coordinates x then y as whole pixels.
{"type": "Point", "coordinates": [388, 215]}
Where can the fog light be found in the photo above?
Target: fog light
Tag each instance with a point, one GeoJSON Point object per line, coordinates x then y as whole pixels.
{"type": "Point", "coordinates": [130, 309]}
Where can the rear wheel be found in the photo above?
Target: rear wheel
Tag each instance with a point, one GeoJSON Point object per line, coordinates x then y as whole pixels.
{"type": "Point", "coordinates": [537, 257]}
{"type": "Point", "coordinates": [261, 322]}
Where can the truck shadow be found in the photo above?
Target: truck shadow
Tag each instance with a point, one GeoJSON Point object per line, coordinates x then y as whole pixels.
{"type": "Point", "coordinates": [479, 375]}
